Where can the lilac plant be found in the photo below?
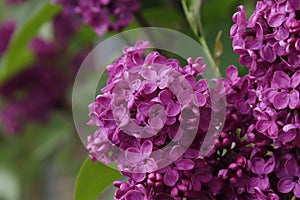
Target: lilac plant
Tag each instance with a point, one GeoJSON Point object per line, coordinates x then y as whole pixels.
{"type": "Point", "coordinates": [256, 155]}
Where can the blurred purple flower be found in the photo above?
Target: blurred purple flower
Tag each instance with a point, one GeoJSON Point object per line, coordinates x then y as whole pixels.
{"type": "Point", "coordinates": [103, 15]}
{"type": "Point", "coordinates": [6, 31]}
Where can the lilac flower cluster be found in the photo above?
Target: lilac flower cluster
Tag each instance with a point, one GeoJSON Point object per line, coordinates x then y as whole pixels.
{"type": "Point", "coordinates": [32, 94]}
{"type": "Point", "coordinates": [149, 103]}
{"type": "Point", "coordinates": [103, 15]}
{"type": "Point", "coordinates": [257, 154]}
{"type": "Point", "coordinates": [270, 36]}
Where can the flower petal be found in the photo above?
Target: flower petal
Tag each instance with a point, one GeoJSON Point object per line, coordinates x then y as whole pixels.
{"type": "Point", "coordinates": [285, 185]}
{"type": "Point", "coordinates": [276, 19]}
{"type": "Point", "coordinates": [297, 190]}
{"type": "Point", "coordinates": [262, 126]}
{"type": "Point", "coordinates": [173, 109]}
{"type": "Point", "coordinates": [166, 97]}
{"type": "Point", "coordinates": [133, 155]}
{"type": "Point", "coordinates": [185, 164]}
{"type": "Point", "coordinates": [134, 195]}
{"type": "Point", "coordinates": [171, 177]}
{"type": "Point", "coordinates": [269, 165]}
{"type": "Point", "coordinates": [258, 166]}
{"type": "Point", "coordinates": [281, 100]}
{"type": "Point", "coordinates": [294, 99]}
{"type": "Point", "coordinates": [196, 182]}
{"type": "Point", "coordinates": [295, 80]}
{"type": "Point", "coordinates": [292, 167]}
{"type": "Point", "coordinates": [146, 147]}
{"type": "Point", "coordinates": [280, 80]}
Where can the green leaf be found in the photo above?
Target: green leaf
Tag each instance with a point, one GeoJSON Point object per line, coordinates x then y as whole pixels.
{"type": "Point", "coordinates": [41, 11]}
{"type": "Point", "coordinates": [218, 50]}
{"type": "Point", "coordinates": [93, 179]}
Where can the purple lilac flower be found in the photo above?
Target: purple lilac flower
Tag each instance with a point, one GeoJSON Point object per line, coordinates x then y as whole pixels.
{"type": "Point", "coordinates": [269, 37]}
{"type": "Point", "coordinates": [65, 25]}
{"type": "Point", "coordinates": [6, 32]}
{"type": "Point", "coordinates": [34, 92]}
{"type": "Point", "coordinates": [103, 15]}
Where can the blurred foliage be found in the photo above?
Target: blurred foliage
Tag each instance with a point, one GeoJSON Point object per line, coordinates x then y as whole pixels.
{"type": "Point", "coordinates": [40, 11]}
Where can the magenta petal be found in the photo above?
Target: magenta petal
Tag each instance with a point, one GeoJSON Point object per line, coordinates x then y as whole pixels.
{"type": "Point", "coordinates": [281, 100]}
{"type": "Point", "coordinates": [281, 80]}
{"type": "Point", "coordinates": [276, 20]}
{"type": "Point", "coordinates": [269, 165]}
{"type": "Point", "coordinates": [171, 177]}
{"type": "Point", "coordinates": [296, 5]}
{"type": "Point", "coordinates": [243, 107]}
{"type": "Point", "coordinates": [200, 99]}
{"type": "Point", "coordinates": [268, 54]}
{"type": "Point", "coordinates": [232, 73]}
{"type": "Point", "coordinates": [149, 75]}
{"type": "Point", "coordinates": [273, 130]}
{"type": "Point", "coordinates": [166, 97]}
{"type": "Point", "coordinates": [205, 176]}
{"type": "Point", "coordinates": [289, 127]}
{"type": "Point", "coordinates": [173, 109]}
{"type": "Point", "coordinates": [138, 177]}
{"type": "Point", "coordinates": [196, 182]}
{"type": "Point", "coordinates": [185, 164]}
{"type": "Point", "coordinates": [264, 183]}
{"type": "Point", "coordinates": [292, 167]}
{"type": "Point", "coordinates": [146, 147]}
{"type": "Point", "coordinates": [149, 88]}
{"type": "Point", "coordinates": [297, 190]}
{"type": "Point", "coordinates": [285, 185]}
{"type": "Point", "coordinates": [176, 152]}
{"type": "Point", "coordinates": [288, 136]}
{"type": "Point", "coordinates": [295, 80]}
{"type": "Point", "coordinates": [143, 109]}
{"type": "Point", "coordinates": [294, 99]}
{"type": "Point", "coordinates": [156, 122]}
{"type": "Point", "coordinates": [252, 184]}
{"type": "Point", "coordinates": [134, 195]}
{"type": "Point", "coordinates": [185, 97]}
{"type": "Point", "coordinates": [258, 165]}
{"type": "Point", "coordinates": [262, 125]}
{"type": "Point", "coordinates": [133, 155]}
